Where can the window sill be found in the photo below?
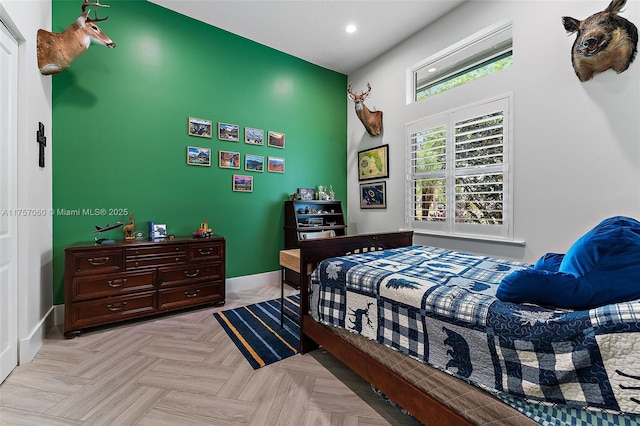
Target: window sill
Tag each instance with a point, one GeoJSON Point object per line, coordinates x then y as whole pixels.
{"type": "Point", "coordinates": [496, 240]}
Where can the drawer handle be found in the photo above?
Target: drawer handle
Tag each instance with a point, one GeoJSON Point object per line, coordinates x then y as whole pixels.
{"type": "Point", "coordinates": [191, 274]}
{"type": "Point", "coordinates": [194, 294]}
{"type": "Point", "coordinates": [117, 283]}
{"type": "Point", "coordinates": [97, 261]}
{"type": "Point", "coordinates": [114, 308]}
{"type": "Point", "coordinates": [205, 251]}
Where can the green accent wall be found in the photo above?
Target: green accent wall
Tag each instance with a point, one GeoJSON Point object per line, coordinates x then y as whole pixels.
{"type": "Point", "coordinates": [119, 134]}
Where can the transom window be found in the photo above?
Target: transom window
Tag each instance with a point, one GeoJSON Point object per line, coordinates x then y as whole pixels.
{"type": "Point", "coordinates": [481, 54]}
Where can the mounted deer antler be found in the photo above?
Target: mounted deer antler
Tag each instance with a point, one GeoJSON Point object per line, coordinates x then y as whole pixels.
{"type": "Point", "coordinates": [372, 120]}
{"type": "Point", "coordinates": [56, 51]}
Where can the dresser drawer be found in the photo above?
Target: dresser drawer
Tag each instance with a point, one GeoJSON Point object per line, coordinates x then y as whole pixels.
{"type": "Point", "coordinates": [110, 309]}
{"type": "Point", "coordinates": [155, 261]}
{"type": "Point", "coordinates": [212, 250]}
{"type": "Point", "coordinates": [157, 250]}
{"type": "Point", "coordinates": [97, 261]}
{"type": "Point", "coordinates": [190, 273]}
{"type": "Point", "coordinates": [192, 295]}
{"type": "Point", "coordinates": [111, 285]}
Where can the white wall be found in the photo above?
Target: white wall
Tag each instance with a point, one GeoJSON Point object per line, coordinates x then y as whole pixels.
{"type": "Point", "coordinates": [35, 312]}
{"type": "Point", "coordinates": [582, 166]}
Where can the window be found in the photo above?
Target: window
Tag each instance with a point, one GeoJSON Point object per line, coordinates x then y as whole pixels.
{"type": "Point", "coordinates": [483, 53]}
{"type": "Point", "coordinates": [458, 180]}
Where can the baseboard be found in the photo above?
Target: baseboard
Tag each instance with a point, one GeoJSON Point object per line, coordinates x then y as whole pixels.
{"type": "Point", "coordinates": [233, 285]}
{"type": "Point", "coordinates": [29, 346]}
{"type": "Point", "coordinates": [248, 282]}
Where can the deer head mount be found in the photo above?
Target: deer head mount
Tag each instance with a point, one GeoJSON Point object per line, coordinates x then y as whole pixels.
{"type": "Point", "coordinates": [372, 120]}
{"type": "Point", "coordinates": [56, 51]}
{"type": "Point", "coordinates": [605, 40]}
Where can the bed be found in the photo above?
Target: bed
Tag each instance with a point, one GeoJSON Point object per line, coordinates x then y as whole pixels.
{"type": "Point", "coordinates": [482, 371]}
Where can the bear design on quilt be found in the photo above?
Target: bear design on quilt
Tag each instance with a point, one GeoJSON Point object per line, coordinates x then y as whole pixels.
{"type": "Point", "coordinates": [459, 352]}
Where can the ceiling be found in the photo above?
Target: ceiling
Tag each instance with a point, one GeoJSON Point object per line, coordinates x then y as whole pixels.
{"type": "Point", "coordinates": [315, 30]}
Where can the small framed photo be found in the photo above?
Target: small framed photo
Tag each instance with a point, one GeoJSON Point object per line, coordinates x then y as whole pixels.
{"type": "Point", "coordinates": [228, 160]}
{"type": "Point", "coordinates": [307, 193]}
{"type": "Point", "coordinates": [373, 163]}
{"type": "Point", "coordinates": [242, 183]}
{"type": "Point", "coordinates": [159, 231]}
{"type": "Point", "coordinates": [228, 132]}
{"type": "Point", "coordinates": [373, 195]}
{"type": "Point", "coordinates": [253, 163]}
{"type": "Point", "coordinates": [253, 136]}
{"type": "Point", "coordinates": [275, 165]}
{"type": "Point", "coordinates": [275, 139]}
{"type": "Point", "coordinates": [197, 156]}
{"type": "Point", "coordinates": [199, 127]}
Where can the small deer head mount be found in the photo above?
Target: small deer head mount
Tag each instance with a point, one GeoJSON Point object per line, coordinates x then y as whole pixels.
{"type": "Point", "coordinates": [372, 120]}
{"type": "Point", "coordinates": [604, 40]}
{"type": "Point", "coordinates": [56, 51]}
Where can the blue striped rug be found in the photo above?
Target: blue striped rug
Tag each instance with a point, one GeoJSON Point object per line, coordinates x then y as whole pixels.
{"type": "Point", "coordinates": [255, 329]}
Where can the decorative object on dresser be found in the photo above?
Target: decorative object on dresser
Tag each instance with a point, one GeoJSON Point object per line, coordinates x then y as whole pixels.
{"type": "Point", "coordinates": [127, 280]}
{"type": "Point", "coordinates": [129, 230]}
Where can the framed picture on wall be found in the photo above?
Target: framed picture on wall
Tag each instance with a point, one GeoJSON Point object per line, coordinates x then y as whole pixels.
{"type": "Point", "coordinates": [242, 183]}
{"type": "Point", "coordinates": [197, 156]}
{"type": "Point", "coordinates": [253, 136]}
{"type": "Point", "coordinates": [253, 163]}
{"type": "Point", "coordinates": [275, 139]}
{"type": "Point", "coordinates": [373, 195]}
{"type": "Point", "coordinates": [199, 127]}
{"type": "Point", "coordinates": [228, 160]}
{"type": "Point", "coordinates": [275, 165]}
{"type": "Point", "coordinates": [228, 132]}
{"type": "Point", "coordinates": [373, 163]}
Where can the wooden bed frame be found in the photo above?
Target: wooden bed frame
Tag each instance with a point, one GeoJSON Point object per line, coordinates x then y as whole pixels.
{"type": "Point", "coordinates": [421, 405]}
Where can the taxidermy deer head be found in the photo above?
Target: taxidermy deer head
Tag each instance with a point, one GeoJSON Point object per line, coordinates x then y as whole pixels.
{"type": "Point", "coordinates": [56, 51]}
{"type": "Point", "coordinates": [605, 40]}
{"type": "Point", "coordinates": [372, 120]}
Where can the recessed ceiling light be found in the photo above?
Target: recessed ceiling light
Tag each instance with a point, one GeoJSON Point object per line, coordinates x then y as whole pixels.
{"type": "Point", "coordinates": [350, 28]}
{"type": "Point", "coordinates": [432, 70]}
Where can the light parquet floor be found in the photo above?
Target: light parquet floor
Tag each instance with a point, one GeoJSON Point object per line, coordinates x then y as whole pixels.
{"type": "Point", "coordinates": [182, 369]}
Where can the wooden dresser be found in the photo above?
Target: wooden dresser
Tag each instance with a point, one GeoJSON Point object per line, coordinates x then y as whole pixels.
{"type": "Point", "coordinates": [104, 284]}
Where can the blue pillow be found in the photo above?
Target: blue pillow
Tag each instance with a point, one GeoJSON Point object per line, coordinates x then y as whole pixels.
{"type": "Point", "coordinates": [546, 288]}
{"type": "Point", "coordinates": [601, 267]}
{"type": "Point", "coordinates": [549, 262]}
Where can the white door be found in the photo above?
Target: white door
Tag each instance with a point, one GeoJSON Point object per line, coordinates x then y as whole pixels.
{"type": "Point", "coordinates": [8, 202]}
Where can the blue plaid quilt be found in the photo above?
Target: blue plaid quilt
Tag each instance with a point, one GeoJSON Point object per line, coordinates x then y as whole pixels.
{"type": "Point", "coordinates": [439, 307]}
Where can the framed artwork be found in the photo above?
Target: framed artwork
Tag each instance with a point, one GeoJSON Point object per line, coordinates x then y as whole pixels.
{"type": "Point", "coordinates": [228, 132]}
{"type": "Point", "coordinates": [253, 136]}
{"type": "Point", "coordinates": [253, 163]}
{"type": "Point", "coordinates": [373, 195]}
{"type": "Point", "coordinates": [199, 127]}
{"type": "Point", "coordinates": [229, 160]}
{"type": "Point", "coordinates": [275, 165]}
{"type": "Point", "coordinates": [197, 156]}
{"type": "Point", "coordinates": [275, 139]}
{"type": "Point", "coordinates": [373, 163]}
{"type": "Point", "coordinates": [242, 183]}
{"type": "Point", "coordinates": [307, 193]}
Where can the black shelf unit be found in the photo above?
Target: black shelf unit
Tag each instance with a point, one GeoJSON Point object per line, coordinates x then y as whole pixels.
{"type": "Point", "coordinates": [301, 216]}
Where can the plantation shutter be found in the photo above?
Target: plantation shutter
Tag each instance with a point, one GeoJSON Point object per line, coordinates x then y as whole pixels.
{"type": "Point", "coordinates": [458, 178]}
